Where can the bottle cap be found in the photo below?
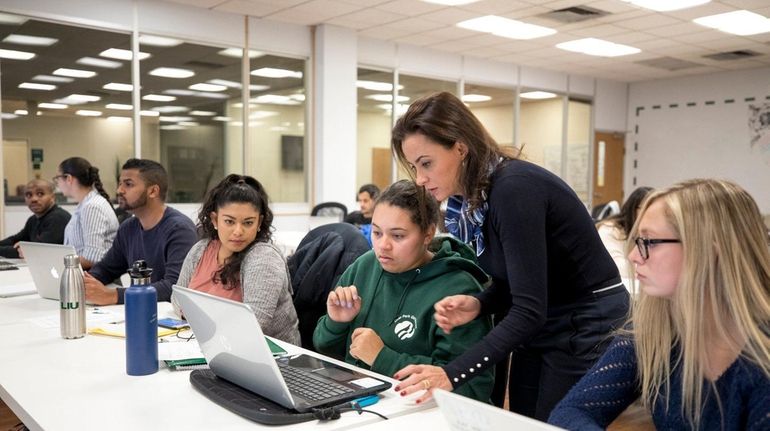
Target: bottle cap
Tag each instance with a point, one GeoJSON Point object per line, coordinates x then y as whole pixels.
{"type": "Point", "coordinates": [139, 270]}
{"type": "Point", "coordinates": [71, 260]}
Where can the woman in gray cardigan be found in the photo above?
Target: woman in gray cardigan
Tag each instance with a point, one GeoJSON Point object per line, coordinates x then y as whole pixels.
{"type": "Point", "coordinates": [236, 260]}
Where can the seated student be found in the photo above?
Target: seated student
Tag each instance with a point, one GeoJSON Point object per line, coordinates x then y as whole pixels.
{"type": "Point", "coordinates": [381, 315]}
{"type": "Point", "coordinates": [46, 224]}
{"type": "Point", "coordinates": [94, 224]}
{"type": "Point", "coordinates": [160, 235]}
{"type": "Point", "coordinates": [367, 194]}
{"type": "Point", "coordinates": [236, 260]}
{"type": "Point", "coordinates": [698, 354]}
{"type": "Point", "coordinates": [614, 230]}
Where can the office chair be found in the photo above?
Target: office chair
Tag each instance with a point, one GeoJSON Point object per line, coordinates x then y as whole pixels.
{"type": "Point", "coordinates": [600, 212]}
{"type": "Point", "coordinates": [327, 209]}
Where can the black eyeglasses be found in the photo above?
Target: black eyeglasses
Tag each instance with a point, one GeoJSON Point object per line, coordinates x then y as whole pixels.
{"type": "Point", "coordinates": [643, 245]}
{"type": "Point", "coordinates": [56, 177]}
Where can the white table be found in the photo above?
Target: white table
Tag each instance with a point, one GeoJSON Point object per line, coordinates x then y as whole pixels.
{"type": "Point", "coordinates": [56, 384]}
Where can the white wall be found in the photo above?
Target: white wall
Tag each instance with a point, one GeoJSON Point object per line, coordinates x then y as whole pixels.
{"type": "Point", "coordinates": [710, 138]}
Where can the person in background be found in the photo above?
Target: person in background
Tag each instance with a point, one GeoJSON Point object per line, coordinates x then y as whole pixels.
{"type": "Point", "coordinates": [555, 289]}
{"type": "Point", "coordinates": [236, 260]}
{"type": "Point", "coordinates": [697, 348]}
{"type": "Point", "coordinates": [46, 224]}
{"type": "Point", "coordinates": [614, 230]}
{"type": "Point", "coordinates": [381, 315]}
{"type": "Point", "coordinates": [93, 225]}
{"type": "Point", "coordinates": [158, 234]}
{"type": "Point", "coordinates": [367, 194]}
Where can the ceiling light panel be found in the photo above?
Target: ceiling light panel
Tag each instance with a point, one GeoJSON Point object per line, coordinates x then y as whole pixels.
{"type": "Point", "coordinates": [158, 98]}
{"type": "Point", "coordinates": [37, 86]}
{"type": "Point", "coordinates": [6, 18]}
{"type": "Point", "coordinates": [387, 98]}
{"type": "Point", "coordinates": [117, 86]}
{"type": "Point", "coordinates": [147, 39]}
{"type": "Point", "coordinates": [23, 39]}
{"type": "Point", "coordinates": [739, 22]}
{"type": "Point", "coordinates": [122, 54]}
{"type": "Point", "coordinates": [74, 73]}
{"type": "Point", "coordinates": [88, 113]}
{"type": "Point", "coordinates": [537, 95]}
{"type": "Point", "coordinates": [49, 78]}
{"type": "Point", "coordinates": [238, 53]}
{"type": "Point", "coordinates": [271, 72]}
{"type": "Point", "coordinates": [99, 62]}
{"type": "Point", "coordinates": [505, 27]}
{"type": "Point", "coordinates": [598, 47]}
{"type": "Point", "coordinates": [172, 72]}
{"type": "Point", "coordinates": [119, 106]}
{"type": "Point", "coordinates": [667, 5]}
{"type": "Point", "coordinates": [12, 54]}
{"type": "Point", "coordinates": [46, 105]}
{"type": "Point", "coordinates": [470, 98]}
{"type": "Point", "coordinates": [207, 87]}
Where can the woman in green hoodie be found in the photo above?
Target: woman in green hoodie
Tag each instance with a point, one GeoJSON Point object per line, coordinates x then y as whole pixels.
{"type": "Point", "coordinates": [381, 315]}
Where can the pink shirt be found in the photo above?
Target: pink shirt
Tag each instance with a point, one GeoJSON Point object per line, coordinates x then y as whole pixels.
{"type": "Point", "coordinates": [204, 279]}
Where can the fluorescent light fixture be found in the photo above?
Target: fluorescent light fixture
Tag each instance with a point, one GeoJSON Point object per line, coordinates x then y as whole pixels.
{"type": "Point", "coordinates": [149, 113]}
{"type": "Point", "coordinates": [147, 39]}
{"type": "Point", "coordinates": [209, 95]}
{"type": "Point", "coordinates": [77, 99]}
{"type": "Point", "coordinates": [179, 92]}
{"type": "Point", "coordinates": [739, 22]}
{"type": "Point", "coordinates": [99, 62]}
{"type": "Point", "coordinates": [667, 5]}
{"type": "Point", "coordinates": [174, 119]}
{"type": "Point", "coordinates": [238, 53]}
{"type": "Point", "coordinates": [158, 98]}
{"type": "Point", "coordinates": [122, 54]}
{"type": "Point", "coordinates": [189, 123]}
{"type": "Point", "coordinates": [12, 54]}
{"type": "Point", "coordinates": [74, 73]}
{"type": "Point", "coordinates": [172, 127]}
{"type": "Point", "coordinates": [258, 115]}
{"type": "Point", "coordinates": [46, 105]}
{"type": "Point", "coordinates": [20, 112]}
{"type": "Point", "coordinates": [207, 87]}
{"type": "Point", "coordinates": [297, 97]}
{"type": "Point", "coordinates": [376, 85]}
{"type": "Point", "coordinates": [598, 47]}
{"type": "Point", "coordinates": [451, 2]}
{"type": "Point", "coordinates": [506, 27]}
{"type": "Point", "coordinates": [537, 95]}
{"type": "Point", "coordinates": [271, 72]}
{"type": "Point", "coordinates": [7, 116]}
{"type": "Point", "coordinates": [119, 106]}
{"type": "Point", "coordinates": [49, 78]}
{"type": "Point", "coordinates": [470, 98]}
{"type": "Point", "coordinates": [203, 113]}
{"type": "Point", "coordinates": [87, 113]}
{"type": "Point", "coordinates": [117, 86]}
{"type": "Point", "coordinates": [23, 39]}
{"type": "Point", "coordinates": [221, 118]}
{"type": "Point", "coordinates": [170, 109]}
{"type": "Point", "coordinates": [6, 18]}
{"type": "Point", "coordinates": [119, 119]}
{"type": "Point", "coordinates": [233, 84]}
{"type": "Point", "coordinates": [172, 72]}
{"type": "Point", "coordinates": [387, 98]}
{"type": "Point", "coordinates": [36, 86]}
{"type": "Point", "coordinates": [274, 99]}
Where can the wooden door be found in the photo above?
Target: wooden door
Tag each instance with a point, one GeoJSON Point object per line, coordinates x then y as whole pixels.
{"type": "Point", "coordinates": [609, 150]}
{"type": "Point", "coordinates": [382, 167]}
{"type": "Point", "coordinates": [15, 164]}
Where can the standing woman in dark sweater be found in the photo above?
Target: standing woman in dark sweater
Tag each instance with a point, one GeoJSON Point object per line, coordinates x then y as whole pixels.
{"type": "Point", "coordinates": [699, 350]}
{"type": "Point", "coordinates": [555, 290]}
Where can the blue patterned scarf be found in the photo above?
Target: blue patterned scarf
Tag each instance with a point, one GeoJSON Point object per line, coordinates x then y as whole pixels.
{"type": "Point", "coordinates": [466, 225]}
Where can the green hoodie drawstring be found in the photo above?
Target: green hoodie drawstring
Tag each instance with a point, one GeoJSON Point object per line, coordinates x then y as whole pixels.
{"type": "Point", "coordinates": [403, 296]}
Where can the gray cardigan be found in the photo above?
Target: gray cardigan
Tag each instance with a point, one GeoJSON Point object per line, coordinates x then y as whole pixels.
{"type": "Point", "coordinates": [266, 288]}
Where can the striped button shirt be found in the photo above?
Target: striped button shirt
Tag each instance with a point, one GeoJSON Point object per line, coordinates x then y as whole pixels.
{"type": "Point", "coordinates": [92, 227]}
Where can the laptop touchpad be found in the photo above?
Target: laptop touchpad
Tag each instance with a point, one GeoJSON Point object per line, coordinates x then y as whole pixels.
{"type": "Point", "coordinates": [323, 368]}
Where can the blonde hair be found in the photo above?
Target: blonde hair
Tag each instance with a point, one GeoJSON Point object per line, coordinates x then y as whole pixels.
{"type": "Point", "coordinates": [723, 292]}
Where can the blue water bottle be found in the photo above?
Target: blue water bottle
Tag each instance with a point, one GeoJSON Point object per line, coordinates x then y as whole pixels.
{"type": "Point", "coordinates": [141, 322]}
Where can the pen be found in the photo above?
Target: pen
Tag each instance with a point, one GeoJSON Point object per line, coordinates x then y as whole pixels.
{"type": "Point", "coordinates": [364, 401]}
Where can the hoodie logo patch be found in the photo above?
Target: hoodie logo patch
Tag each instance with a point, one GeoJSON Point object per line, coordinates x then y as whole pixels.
{"type": "Point", "coordinates": [405, 327]}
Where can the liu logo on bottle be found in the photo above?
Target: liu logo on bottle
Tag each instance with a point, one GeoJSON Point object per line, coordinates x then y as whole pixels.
{"type": "Point", "coordinates": [70, 305]}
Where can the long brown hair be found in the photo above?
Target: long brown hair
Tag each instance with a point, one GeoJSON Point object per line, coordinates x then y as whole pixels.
{"type": "Point", "coordinates": [444, 119]}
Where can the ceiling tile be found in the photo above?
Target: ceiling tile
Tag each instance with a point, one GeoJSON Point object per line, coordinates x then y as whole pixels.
{"type": "Point", "coordinates": [384, 32]}
{"type": "Point", "coordinates": [711, 8]}
{"type": "Point", "coordinates": [611, 6]}
{"type": "Point", "coordinates": [676, 29]}
{"type": "Point", "coordinates": [495, 7]}
{"type": "Point", "coordinates": [598, 31]}
{"type": "Point", "coordinates": [208, 4]}
{"type": "Point", "coordinates": [648, 21]}
{"type": "Point", "coordinates": [702, 36]}
{"type": "Point", "coordinates": [410, 7]}
{"type": "Point", "coordinates": [369, 17]}
{"type": "Point", "coordinates": [419, 39]}
{"type": "Point", "coordinates": [245, 7]}
{"type": "Point", "coordinates": [314, 12]}
{"type": "Point", "coordinates": [449, 15]}
{"type": "Point", "coordinates": [451, 33]}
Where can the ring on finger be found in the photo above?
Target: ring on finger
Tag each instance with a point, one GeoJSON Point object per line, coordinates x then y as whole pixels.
{"type": "Point", "coordinates": [426, 384]}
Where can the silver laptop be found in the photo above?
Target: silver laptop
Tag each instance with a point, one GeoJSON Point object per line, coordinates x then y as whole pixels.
{"type": "Point", "coordinates": [235, 348]}
{"type": "Point", "coordinates": [46, 264]}
{"type": "Point", "coordinates": [465, 414]}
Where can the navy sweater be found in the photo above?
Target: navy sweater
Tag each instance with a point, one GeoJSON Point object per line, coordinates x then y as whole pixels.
{"type": "Point", "coordinates": [542, 250]}
{"type": "Point", "coordinates": [164, 248]}
{"type": "Point", "coordinates": [611, 385]}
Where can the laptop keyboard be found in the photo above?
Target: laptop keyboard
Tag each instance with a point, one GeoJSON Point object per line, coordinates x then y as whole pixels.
{"type": "Point", "coordinates": [5, 265]}
{"type": "Point", "coordinates": [309, 385]}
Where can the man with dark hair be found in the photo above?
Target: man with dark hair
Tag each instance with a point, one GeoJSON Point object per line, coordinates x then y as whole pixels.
{"type": "Point", "coordinates": [158, 234]}
{"type": "Point", "coordinates": [46, 224]}
{"type": "Point", "coordinates": [367, 194]}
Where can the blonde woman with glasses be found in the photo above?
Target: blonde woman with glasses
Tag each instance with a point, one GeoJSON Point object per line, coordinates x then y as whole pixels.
{"type": "Point", "coordinates": [698, 353]}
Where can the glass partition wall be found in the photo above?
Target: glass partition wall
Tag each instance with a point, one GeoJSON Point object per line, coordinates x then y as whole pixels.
{"type": "Point", "coordinates": [67, 91]}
